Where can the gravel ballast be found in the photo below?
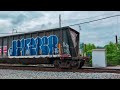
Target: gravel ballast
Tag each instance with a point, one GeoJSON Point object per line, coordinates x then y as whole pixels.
{"type": "Point", "coordinates": [25, 74]}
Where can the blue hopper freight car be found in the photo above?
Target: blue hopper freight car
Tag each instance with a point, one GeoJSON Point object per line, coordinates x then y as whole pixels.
{"type": "Point", "coordinates": [59, 46]}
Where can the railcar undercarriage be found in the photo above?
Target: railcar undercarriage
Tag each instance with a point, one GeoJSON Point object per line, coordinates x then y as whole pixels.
{"type": "Point", "coordinates": [57, 62]}
{"type": "Point", "coordinates": [69, 63]}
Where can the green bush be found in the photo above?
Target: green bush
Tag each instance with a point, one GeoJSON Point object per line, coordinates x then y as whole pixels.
{"type": "Point", "coordinates": [113, 59]}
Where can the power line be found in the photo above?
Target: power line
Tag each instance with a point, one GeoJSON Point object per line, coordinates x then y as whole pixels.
{"type": "Point", "coordinates": [94, 20]}
{"type": "Point", "coordinates": [79, 23]}
{"type": "Point", "coordinates": [13, 33]}
{"type": "Point", "coordinates": [92, 16]}
{"type": "Point", "coordinates": [5, 33]}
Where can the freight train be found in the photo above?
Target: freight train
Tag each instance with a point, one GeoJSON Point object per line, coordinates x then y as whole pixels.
{"type": "Point", "coordinates": [59, 46]}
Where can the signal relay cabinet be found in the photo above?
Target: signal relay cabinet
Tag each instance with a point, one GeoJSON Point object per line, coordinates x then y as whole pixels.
{"type": "Point", "coordinates": [99, 58]}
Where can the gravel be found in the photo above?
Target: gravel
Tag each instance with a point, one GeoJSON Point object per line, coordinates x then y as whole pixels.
{"type": "Point", "coordinates": [25, 74]}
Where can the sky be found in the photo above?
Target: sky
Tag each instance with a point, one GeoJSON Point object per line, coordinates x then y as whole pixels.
{"type": "Point", "coordinates": [99, 33]}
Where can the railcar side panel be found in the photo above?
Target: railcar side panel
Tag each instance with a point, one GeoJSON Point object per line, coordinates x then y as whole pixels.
{"type": "Point", "coordinates": [48, 43]}
{"type": "Point", "coordinates": [1, 48]}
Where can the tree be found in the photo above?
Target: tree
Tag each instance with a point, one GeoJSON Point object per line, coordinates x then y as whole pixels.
{"type": "Point", "coordinates": [88, 49]}
{"type": "Point", "coordinates": [113, 53]}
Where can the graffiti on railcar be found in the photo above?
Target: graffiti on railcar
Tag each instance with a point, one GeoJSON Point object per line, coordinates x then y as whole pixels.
{"type": "Point", "coordinates": [35, 46]}
{"type": "Point", "coordinates": [66, 48]}
{"type": "Point", "coordinates": [5, 51]}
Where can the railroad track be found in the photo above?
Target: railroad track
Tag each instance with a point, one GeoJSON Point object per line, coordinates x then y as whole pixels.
{"type": "Point", "coordinates": [52, 69]}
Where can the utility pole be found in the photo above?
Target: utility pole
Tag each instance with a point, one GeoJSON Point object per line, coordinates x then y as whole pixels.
{"type": "Point", "coordinates": [59, 21]}
{"type": "Point", "coordinates": [83, 49]}
{"type": "Point", "coordinates": [116, 39]}
{"type": "Point", "coordinates": [61, 46]}
{"type": "Point", "coordinates": [79, 40]}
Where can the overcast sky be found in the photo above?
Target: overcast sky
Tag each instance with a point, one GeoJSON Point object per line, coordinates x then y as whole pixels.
{"type": "Point", "coordinates": [99, 33]}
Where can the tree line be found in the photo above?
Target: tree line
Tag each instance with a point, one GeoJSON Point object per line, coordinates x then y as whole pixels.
{"type": "Point", "coordinates": [112, 52]}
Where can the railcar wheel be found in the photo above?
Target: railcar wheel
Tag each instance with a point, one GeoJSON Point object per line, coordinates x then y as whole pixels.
{"type": "Point", "coordinates": [74, 64]}
{"type": "Point", "coordinates": [81, 64]}
{"type": "Point", "coordinates": [77, 64]}
{"type": "Point", "coordinates": [56, 63]}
